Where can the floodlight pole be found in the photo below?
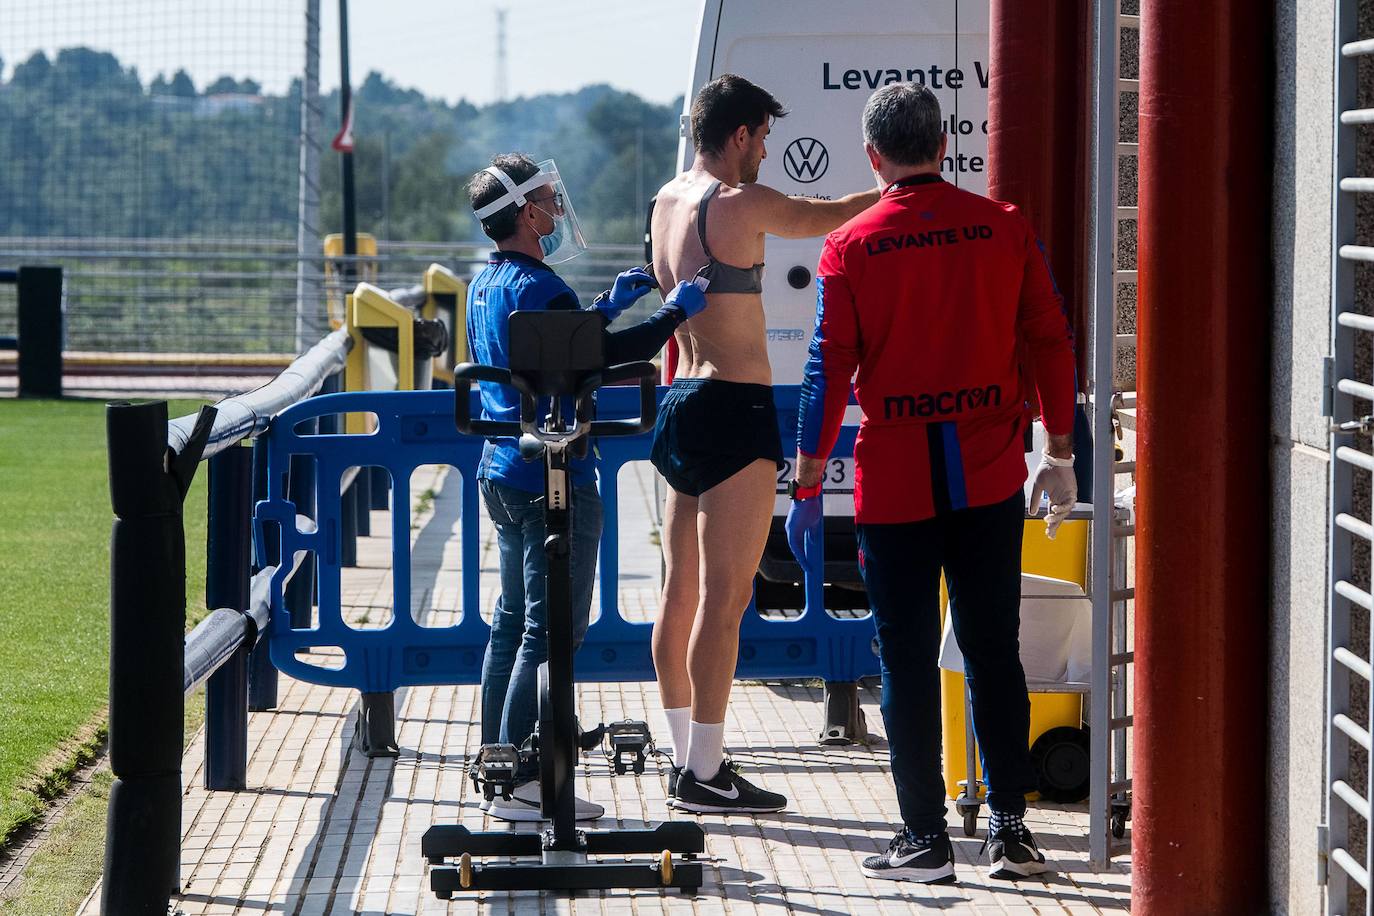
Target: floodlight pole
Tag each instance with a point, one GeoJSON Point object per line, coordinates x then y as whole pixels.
{"type": "Point", "coordinates": [344, 144]}
{"type": "Point", "coordinates": [309, 271]}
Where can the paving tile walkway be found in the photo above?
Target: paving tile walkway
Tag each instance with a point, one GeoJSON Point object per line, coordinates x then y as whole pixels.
{"type": "Point", "coordinates": [325, 830]}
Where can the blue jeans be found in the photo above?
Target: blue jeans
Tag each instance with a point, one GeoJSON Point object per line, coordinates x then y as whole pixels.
{"type": "Point", "coordinates": [979, 550]}
{"type": "Point", "coordinates": [519, 630]}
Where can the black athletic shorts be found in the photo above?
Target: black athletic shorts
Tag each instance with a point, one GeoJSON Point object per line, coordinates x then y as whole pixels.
{"type": "Point", "coordinates": [708, 430]}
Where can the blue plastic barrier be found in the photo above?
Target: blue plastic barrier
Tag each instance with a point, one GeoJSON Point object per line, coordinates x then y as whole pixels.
{"type": "Point", "coordinates": [416, 429]}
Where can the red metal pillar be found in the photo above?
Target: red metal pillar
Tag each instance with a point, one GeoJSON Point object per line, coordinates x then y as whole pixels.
{"type": "Point", "coordinates": [1203, 518]}
{"type": "Point", "coordinates": [1037, 130]}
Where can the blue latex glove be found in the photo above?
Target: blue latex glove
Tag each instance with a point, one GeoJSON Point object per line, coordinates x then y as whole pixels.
{"type": "Point", "coordinates": [629, 288]}
{"type": "Point", "coordinates": [806, 536]}
{"type": "Point", "coordinates": [688, 297]}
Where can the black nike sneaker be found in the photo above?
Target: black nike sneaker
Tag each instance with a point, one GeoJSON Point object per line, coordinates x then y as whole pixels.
{"type": "Point", "coordinates": [675, 771]}
{"type": "Point", "coordinates": [725, 793]}
{"type": "Point", "coordinates": [1014, 853]}
{"type": "Point", "coordinates": [927, 859]}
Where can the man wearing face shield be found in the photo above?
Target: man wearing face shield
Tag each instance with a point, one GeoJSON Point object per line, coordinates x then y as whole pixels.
{"type": "Point", "coordinates": [525, 209]}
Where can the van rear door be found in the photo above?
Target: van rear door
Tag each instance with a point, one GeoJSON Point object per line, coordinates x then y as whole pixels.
{"type": "Point", "coordinates": [823, 59]}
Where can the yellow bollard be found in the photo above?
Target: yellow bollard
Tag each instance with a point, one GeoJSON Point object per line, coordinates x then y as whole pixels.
{"type": "Point", "coordinates": [334, 248]}
{"type": "Point", "coordinates": [369, 307]}
{"type": "Point", "coordinates": [446, 298]}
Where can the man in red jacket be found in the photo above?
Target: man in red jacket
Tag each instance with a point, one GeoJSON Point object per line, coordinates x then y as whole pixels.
{"type": "Point", "coordinates": [927, 295]}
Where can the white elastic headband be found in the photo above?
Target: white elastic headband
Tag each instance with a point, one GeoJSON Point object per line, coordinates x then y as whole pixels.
{"type": "Point", "coordinates": [515, 194]}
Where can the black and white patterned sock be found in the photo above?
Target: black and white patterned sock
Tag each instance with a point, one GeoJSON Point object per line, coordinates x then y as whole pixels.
{"type": "Point", "coordinates": [920, 839]}
{"type": "Point", "coordinates": [997, 820]}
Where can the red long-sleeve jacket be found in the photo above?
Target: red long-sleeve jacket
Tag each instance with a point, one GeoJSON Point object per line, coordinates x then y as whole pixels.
{"type": "Point", "coordinates": [927, 294]}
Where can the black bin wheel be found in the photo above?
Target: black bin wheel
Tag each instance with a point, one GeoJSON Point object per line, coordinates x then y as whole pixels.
{"type": "Point", "coordinates": [1061, 764]}
{"type": "Point", "coordinates": [970, 821]}
{"type": "Point", "coordinates": [1118, 824]}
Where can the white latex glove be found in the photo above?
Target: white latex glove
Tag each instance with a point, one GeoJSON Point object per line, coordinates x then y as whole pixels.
{"type": "Point", "coordinates": [1054, 478]}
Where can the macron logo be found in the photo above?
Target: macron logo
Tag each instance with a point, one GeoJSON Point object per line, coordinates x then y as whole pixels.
{"type": "Point", "coordinates": [946, 402]}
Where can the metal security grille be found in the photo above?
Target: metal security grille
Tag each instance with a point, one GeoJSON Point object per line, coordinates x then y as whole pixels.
{"type": "Point", "coordinates": [1345, 836]}
{"type": "Point", "coordinates": [150, 118]}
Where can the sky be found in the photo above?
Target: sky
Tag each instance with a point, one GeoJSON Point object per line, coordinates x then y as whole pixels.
{"type": "Point", "coordinates": [444, 48]}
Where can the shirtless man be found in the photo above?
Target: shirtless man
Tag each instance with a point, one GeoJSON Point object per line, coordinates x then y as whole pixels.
{"type": "Point", "coordinates": [716, 441]}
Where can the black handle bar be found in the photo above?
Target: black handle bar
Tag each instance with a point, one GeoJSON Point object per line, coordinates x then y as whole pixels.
{"type": "Point", "coordinates": [472, 372]}
{"type": "Point", "coordinates": [648, 405]}
{"type": "Point", "coordinates": [462, 413]}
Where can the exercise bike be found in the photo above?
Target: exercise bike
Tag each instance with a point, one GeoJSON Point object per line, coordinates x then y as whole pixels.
{"type": "Point", "coordinates": [558, 356]}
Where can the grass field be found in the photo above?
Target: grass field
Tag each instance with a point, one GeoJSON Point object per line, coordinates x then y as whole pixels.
{"type": "Point", "coordinates": [68, 864]}
{"type": "Point", "coordinates": [54, 592]}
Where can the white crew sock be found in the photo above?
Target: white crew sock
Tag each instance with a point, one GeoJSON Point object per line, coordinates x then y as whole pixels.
{"type": "Point", "coordinates": [706, 750]}
{"type": "Point", "coordinates": [679, 723]}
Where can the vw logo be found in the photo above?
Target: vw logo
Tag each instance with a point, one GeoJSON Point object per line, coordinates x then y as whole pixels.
{"type": "Point", "coordinates": [805, 159]}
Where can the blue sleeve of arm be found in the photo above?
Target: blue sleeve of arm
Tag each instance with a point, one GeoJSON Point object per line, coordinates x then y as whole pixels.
{"type": "Point", "coordinates": [832, 358]}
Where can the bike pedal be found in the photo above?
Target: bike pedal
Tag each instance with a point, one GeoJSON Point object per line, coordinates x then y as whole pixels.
{"type": "Point", "coordinates": [629, 741]}
{"type": "Point", "coordinates": [493, 771]}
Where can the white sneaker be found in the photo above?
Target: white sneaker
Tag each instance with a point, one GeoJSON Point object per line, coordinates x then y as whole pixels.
{"type": "Point", "coordinates": [523, 806]}
{"type": "Point", "coordinates": [485, 804]}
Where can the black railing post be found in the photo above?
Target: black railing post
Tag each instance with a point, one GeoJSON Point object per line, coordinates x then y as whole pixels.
{"type": "Point", "coordinates": [262, 674]}
{"type": "Point", "coordinates": [348, 526]}
{"type": "Point", "coordinates": [228, 556]}
{"type": "Point", "coordinates": [300, 489]}
{"type": "Point", "coordinates": [40, 332]}
{"type": "Point", "coordinates": [147, 627]}
{"type": "Point", "coordinates": [331, 424]}
{"type": "Point", "coordinates": [381, 489]}
{"type": "Point", "coordinates": [362, 501]}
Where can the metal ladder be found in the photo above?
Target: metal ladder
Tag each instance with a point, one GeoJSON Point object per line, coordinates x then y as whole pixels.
{"type": "Point", "coordinates": [1113, 594]}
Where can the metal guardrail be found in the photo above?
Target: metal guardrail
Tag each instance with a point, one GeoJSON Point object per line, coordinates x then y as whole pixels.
{"type": "Point", "coordinates": [225, 631]}
{"type": "Point", "coordinates": [223, 296]}
{"type": "Point", "coordinates": [247, 415]}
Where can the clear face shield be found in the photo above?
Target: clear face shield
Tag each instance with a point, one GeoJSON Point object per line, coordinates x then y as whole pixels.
{"type": "Point", "coordinates": [545, 191]}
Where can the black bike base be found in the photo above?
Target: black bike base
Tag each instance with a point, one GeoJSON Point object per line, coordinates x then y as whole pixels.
{"type": "Point", "coordinates": [583, 876]}
{"type": "Point", "coordinates": [445, 841]}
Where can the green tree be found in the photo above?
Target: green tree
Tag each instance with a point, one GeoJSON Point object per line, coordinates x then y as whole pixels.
{"type": "Point", "coordinates": [182, 87]}
{"type": "Point", "coordinates": [227, 85]}
{"type": "Point", "coordinates": [88, 152]}
{"type": "Point", "coordinates": [32, 72]}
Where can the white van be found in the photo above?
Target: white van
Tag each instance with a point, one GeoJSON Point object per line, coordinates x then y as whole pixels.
{"type": "Point", "coordinates": [822, 59]}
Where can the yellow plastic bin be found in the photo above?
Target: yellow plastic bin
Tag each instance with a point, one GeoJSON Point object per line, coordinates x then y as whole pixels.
{"type": "Point", "coordinates": [1066, 557]}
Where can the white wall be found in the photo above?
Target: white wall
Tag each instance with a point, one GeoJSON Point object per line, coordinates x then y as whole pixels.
{"type": "Point", "coordinates": [1298, 455]}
